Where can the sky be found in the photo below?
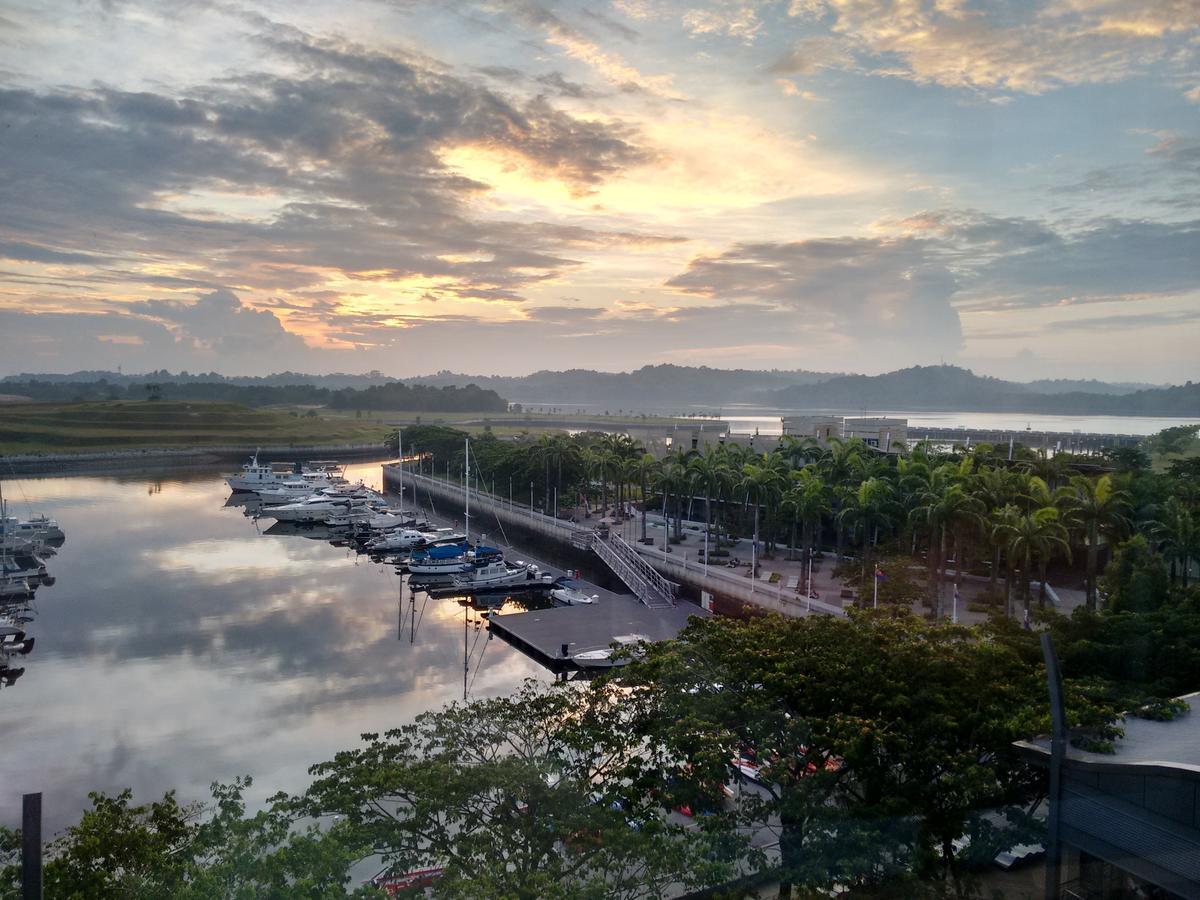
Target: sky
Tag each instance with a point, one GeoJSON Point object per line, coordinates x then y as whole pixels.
{"type": "Point", "coordinates": [502, 186]}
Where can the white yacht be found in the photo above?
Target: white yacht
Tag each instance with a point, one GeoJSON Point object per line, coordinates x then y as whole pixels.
{"type": "Point", "coordinates": [498, 574]}
{"type": "Point", "coordinates": [316, 508]}
{"type": "Point", "coordinates": [567, 592]}
{"type": "Point", "coordinates": [19, 566]}
{"type": "Point", "coordinates": [37, 529]}
{"type": "Point", "coordinates": [400, 539]}
{"type": "Point", "coordinates": [255, 475]}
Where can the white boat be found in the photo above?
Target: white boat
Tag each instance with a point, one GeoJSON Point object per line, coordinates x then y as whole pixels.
{"type": "Point", "coordinates": [35, 530]}
{"type": "Point", "coordinates": [567, 592]}
{"type": "Point", "coordinates": [13, 588]}
{"type": "Point", "coordinates": [316, 508]}
{"type": "Point", "coordinates": [13, 642]}
{"type": "Point", "coordinates": [21, 565]}
{"type": "Point", "coordinates": [260, 477]}
{"type": "Point", "coordinates": [402, 539]}
{"type": "Point", "coordinates": [602, 658]}
{"type": "Point", "coordinates": [498, 574]}
{"type": "Point", "coordinates": [446, 559]}
{"type": "Point", "coordinates": [255, 476]}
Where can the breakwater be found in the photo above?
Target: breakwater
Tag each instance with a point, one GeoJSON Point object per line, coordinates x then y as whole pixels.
{"type": "Point", "coordinates": [723, 591]}
{"type": "Point", "coordinates": [137, 460]}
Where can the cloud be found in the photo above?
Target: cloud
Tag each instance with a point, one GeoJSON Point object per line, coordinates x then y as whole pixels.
{"type": "Point", "coordinates": [277, 182]}
{"type": "Point", "coordinates": [729, 18]}
{"type": "Point", "coordinates": [908, 285]}
{"type": "Point", "coordinates": [1027, 48]}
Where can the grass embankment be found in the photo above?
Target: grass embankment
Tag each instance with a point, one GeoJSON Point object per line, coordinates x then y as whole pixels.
{"type": "Point", "coordinates": [157, 424]}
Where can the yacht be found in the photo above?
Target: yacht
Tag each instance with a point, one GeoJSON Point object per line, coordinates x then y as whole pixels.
{"type": "Point", "coordinates": [255, 475]}
{"type": "Point", "coordinates": [446, 559]}
{"type": "Point", "coordinates": [312, 509]}
{"type": "Point", "coordinates": [13, 642]}
{"type": "Point", "coordinates": [294, 487]}
{"type": "Point", "coordinates": [498, 574]}
{"type": "Point", "coordinates": [21, 565]}
{"type": "Point", "coordinates": [567, 592]}
{"type": "Point", "coordinates": [35, 530]}
{"type": "Point", "coordinates": [402, 539]}
{"type": "Point", "coordinates": [15, 588]}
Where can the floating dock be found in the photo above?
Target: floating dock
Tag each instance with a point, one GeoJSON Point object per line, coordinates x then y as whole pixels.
{"type": "Point", "coordinates": [544, 634]}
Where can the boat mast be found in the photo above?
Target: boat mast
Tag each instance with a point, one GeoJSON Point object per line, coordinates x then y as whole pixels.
{"type": "Point", "coordinates": [400, 457]}
{"type": "Point", "coordinates": [467, 487]}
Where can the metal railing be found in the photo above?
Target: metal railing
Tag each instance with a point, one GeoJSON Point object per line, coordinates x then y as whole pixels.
{"type": "Point", "coordinates": [639, 576]}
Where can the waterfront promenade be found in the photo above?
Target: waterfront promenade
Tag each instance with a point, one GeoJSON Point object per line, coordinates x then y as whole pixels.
{"type": "Point", "coordinates": [723, 590]}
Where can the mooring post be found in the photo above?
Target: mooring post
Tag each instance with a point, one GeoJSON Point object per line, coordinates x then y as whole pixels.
{"type": "Point", "coordinates": [31, 847]}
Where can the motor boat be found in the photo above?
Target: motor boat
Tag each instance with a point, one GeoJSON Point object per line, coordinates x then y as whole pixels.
{"type": "Point", "coordinates": [316, 508]}
{"type": "Point", "coordinates": [498, 574]}
{"type": "Point", "coordinates": [567, 592]}
{"type": "Point", "coordinates": [15, 588]}
{"type": "Point", "coordinates": [13, 642]}
{"type": "Point", "coordinates": [21, 565]}
{"type": "Point", "coordinates": [403, 539]}
{"type": "Point", "coordinates": [603, 657]}
{"type": "Point", "coordinates": [35, 530]}
{"type": "Point", "coordinates": [260, 477]}
{"type": "Point", "coordinates": [255, 476]}
{"type": "Point", "coordinates": [446, 559]}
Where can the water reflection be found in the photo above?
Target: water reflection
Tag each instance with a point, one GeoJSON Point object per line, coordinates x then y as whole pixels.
{"type": "Point", "coordinates": [181, 645]}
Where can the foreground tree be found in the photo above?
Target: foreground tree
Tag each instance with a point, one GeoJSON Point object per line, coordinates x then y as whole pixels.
{"type": "Point", "coordinates": [166, 850]}
{"type": "Point", "coordinates": [544, 794]}
{"type": "Point", "coordinates": [881, 738]}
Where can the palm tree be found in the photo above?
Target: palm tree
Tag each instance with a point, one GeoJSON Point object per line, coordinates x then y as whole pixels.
{"type": "Point", "coordinates": [1178, 535]}
{"type": "Point", "coordinates": [1000, 525]}
{"type": "Point", "coordinates": [1036, 535]}
{"type": "Point", "coordinates": [1050, 468]}
{"type": "Point", "coordinates": [945, 510]}
{"type": "Point", "coordinates": [1099, 508]}
{"type": "Point", "coordinates": [708, 472]}
{"type": "Point", "coordinates": [647, 469]}
{"type": "Point", "coordinates": [761, 481]}
{"type": "Point", "coordinates": [805, 502]}
{"type": "Point", "coordinates": [871, 507]}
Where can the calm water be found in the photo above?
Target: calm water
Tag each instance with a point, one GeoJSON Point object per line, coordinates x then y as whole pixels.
{"type": "Point", "coordinates": [180, 646]}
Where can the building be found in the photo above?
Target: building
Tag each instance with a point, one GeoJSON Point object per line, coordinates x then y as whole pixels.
{"type": "Point", "coordinates": [881, 433]}
{"type": "Point", "coordinates": [1128, 822]}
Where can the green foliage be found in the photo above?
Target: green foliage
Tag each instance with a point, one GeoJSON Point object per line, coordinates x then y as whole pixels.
{"type": "Point", "coordinates": [1137, 579]}
{"type": "Point", "coordinates": [544, 794]}
{"type": "Point", "coordinates": [166, 850]}
{"type": "Point", "coordinates": [883, 734]}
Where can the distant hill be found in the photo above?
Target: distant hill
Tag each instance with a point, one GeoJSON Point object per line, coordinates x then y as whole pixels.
{"type": "Point", "coordinates": [644, 388]}
{"type": "Point", "coordinates": [335, 381]}
{"type": "Point", "coordinates": [950, 388]}
{"type": "Point", "coordinates": [1087, 386]}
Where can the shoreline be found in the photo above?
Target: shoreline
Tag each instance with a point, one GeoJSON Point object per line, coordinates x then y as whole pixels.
{"type": "Point", "coordinates": [124, 460]}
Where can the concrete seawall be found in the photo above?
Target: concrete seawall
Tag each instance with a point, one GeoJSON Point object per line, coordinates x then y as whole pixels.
{"type": "Point", "coordinates": [730, 593]}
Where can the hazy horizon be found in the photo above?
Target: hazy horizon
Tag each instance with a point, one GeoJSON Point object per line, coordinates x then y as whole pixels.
{"type": "Point", "coordinates": [517, 185]}
{"type": "Point", "coordinates": [525, 374]}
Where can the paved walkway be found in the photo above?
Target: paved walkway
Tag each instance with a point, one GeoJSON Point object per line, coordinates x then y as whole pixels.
{"type": "Point", "coordinates": [826, 586]}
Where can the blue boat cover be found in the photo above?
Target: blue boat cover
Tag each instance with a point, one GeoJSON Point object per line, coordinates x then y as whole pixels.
{"type": "Point", "coordinates": [447, 551]}
{"type": "Point", "coordinates": [486, 551]}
